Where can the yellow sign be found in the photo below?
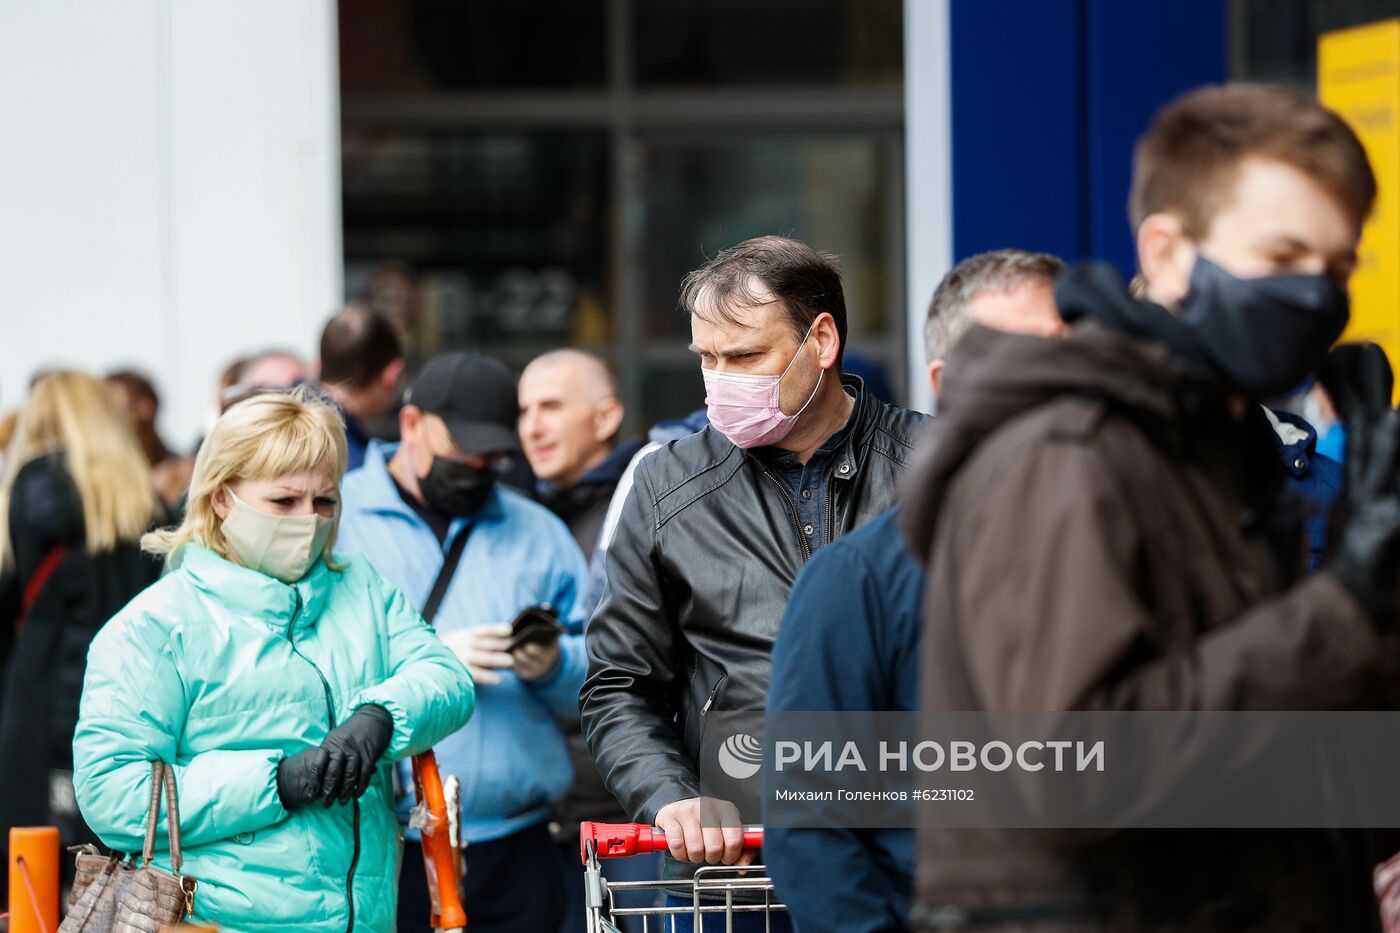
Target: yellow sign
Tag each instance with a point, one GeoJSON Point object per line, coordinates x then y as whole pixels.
{"type": "Point", "coordinates": [1358, 76]}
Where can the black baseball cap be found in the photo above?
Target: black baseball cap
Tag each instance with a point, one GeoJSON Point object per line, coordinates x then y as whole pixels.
{"type": "Point", "coordinates": [474, 395]}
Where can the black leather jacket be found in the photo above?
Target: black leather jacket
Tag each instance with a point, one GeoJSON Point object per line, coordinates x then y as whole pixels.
{"type": "Point", "coordinates": [705, 552]}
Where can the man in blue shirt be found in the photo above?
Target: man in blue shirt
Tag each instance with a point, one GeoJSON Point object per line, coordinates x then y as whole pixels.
{"type": "Point", "coordinates": [404, 510]}
{"type": "Point", "coordinates": [850, 637]}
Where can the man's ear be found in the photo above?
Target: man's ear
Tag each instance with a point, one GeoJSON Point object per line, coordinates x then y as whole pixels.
{"type": "Point", "coordinates": [935, 376]}
{"type": "Point", "coordinates": [392, 373]}
{"type": "Point", "coordinates": [828, 340]}
{"type": "Point", "coordinates": [1166, 256]}
{"type": "Point", "coordinates": [607, 418]}
{"type": "Point", "coordinates": [410, 416]}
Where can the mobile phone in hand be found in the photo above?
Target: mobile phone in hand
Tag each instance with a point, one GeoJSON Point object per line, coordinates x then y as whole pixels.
{"type": "Point", "coordinates": [535, 625]}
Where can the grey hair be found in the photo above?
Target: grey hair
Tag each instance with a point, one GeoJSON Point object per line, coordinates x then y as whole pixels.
{"type": "Point", "coordinates": [1001, 270]}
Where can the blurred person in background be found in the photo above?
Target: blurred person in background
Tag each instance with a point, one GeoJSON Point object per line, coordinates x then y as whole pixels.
{"type": "Point", "coordinates": [228, 378]}
{"type": "Point", "coordinates": [269, 369]}
{"type": "Point", "coordinates": [8, 421]}
{"type": "Point", "coordinates": [137, 396]}
{"type": "Point", "coordinates": [850, 635]}
{"type": "Point", "coordinates": [75, 498]}
{"type": "Point", "coordinates": [569, 418]}
{"type": "Point", "coordinates": [716, 528]}
{"type": "Point", "coordinates": [431, 515]}
{"type": "Point", "coordinates": [392, 290]}
{"type": "Point", "coordinates": [280, 678]}
{"type": "Point", "coordinates": [360, 367]}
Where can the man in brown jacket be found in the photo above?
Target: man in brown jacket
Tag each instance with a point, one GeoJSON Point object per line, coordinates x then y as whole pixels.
{"type": "Point", "coordinates": [1112, 530]}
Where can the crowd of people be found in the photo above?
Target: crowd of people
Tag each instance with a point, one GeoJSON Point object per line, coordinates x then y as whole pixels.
{"type": "Point", "coordinates": [1120, 504]}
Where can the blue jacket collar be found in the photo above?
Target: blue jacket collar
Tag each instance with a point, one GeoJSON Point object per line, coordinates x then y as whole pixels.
{"type": "Point", "coordinates": [609, 471]}
{"type": "Point", "coordinates": [675, 429]}
{"type": "Point", "coordinates": [612, 468]}
{"type": "Point", "coordinates": [287, 608]}
{"type": "Point", "coordinates": [381, 494]}
{"type": "Point", "coordinates": [1294, 438]}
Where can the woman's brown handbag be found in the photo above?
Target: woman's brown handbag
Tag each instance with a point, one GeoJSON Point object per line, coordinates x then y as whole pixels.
{"type": "Point", "coordinates": [112, 895]}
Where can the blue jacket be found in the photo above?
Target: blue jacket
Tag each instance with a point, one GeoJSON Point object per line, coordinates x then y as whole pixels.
{"type": "Point", "coordinates": [1314, 477]}
{"type": "Point", "coordinates": [849, 641]}
{"type": "Point", "coordinates": [223, 671]}
{"type": "Point", "coordinates": [511, 757]}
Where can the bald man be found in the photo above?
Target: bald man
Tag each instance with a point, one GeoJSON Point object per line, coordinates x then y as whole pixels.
{"type": "Point", "coordinates": [569, 418]}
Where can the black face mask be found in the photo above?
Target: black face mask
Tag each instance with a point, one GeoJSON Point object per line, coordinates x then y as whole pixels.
{"type": "Point", "coordinates": [456, 489]}
{"type": "Point", "coordinates": [1266, 334]}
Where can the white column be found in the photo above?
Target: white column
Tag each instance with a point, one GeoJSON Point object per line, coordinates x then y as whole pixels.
{"type": "Point", "coordinates": [169, 187]}
{"type": "Point", "coordinates": [929, 168]}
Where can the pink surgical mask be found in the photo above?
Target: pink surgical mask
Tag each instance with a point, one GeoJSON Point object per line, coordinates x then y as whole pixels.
{"type": "Point", "coordinates": [745, 408]}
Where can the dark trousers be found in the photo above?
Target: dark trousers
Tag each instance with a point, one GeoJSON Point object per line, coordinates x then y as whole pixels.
{"type": "Point", "coordinates": [515, 884]}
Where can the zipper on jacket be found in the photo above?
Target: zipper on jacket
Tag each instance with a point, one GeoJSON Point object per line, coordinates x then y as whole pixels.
{"type": "Point", "coordinates": [710, 700]}
{"type": "Point", "coordinates": [354, 861]}
{"type": "Point", "coordinates": [330, 722]}
{"type": "Point", "coordinates": [704, 714]}
{"type": "Point", "coordinates": [792, 513]}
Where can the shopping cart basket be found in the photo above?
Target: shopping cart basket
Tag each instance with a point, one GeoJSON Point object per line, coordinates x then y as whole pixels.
{"type": "Point", "coordinates": [718, 892]}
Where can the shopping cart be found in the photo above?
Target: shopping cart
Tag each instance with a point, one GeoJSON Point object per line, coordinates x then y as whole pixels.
{"type": "Point", "coordinates": [717, 892]}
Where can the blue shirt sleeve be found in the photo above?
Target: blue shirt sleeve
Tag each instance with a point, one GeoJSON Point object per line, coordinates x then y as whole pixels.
{"type": "Point", "coordinates": [560, 688]}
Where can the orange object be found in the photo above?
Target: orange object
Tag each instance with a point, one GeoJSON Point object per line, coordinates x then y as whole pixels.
{"type": "Point", "coordinates": [33, 879]}
{"type": "Point", "coordinates": [438, 850]}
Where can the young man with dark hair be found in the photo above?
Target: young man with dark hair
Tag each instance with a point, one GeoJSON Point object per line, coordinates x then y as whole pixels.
{"type": "Point", "coordinates": [1111, 509]}
{"type": "Point", "coordinates": [360, 368]}
{"type": "Point", "coordinates": [719, 523]}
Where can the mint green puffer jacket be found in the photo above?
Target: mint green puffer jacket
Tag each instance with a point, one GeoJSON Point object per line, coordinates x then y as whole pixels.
{"type": "Point", "coordinates": [224, 671]}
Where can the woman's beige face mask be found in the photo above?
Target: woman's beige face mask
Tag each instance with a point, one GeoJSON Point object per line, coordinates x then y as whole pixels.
{"type": "Point", "coordinates": [282, 546]}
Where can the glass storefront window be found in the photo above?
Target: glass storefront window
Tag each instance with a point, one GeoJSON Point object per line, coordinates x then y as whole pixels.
{"type": "Point", "coordinates": [523, 176]}
{"type": "Point", "coordinates": [776, 43]}
{"type": "Point", "coordinates": [505, 231]}
{"type": "Point", "coordinates": [424, 47]}
{"type": "Point", "coordinates": [704, 193]}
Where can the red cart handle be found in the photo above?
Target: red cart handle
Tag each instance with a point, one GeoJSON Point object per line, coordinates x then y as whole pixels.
{"type": "Point", "coordinates": [620, 840]}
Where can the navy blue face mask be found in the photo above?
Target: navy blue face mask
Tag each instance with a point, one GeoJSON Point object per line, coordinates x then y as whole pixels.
{"type": "Point", "coordinates": [1263, 335]}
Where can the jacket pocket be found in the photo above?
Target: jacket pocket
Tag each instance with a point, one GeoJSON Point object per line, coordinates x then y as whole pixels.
{"type": "Point", "coordinates": [711, 703]}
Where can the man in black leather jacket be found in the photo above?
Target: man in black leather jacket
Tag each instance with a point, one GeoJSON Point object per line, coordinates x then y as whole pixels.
{"type": "Point", "coordinates": [718, 525]}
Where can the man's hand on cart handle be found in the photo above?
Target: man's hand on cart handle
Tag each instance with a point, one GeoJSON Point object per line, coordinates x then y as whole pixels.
{"type": "Point", "coordinates": [704, 830]}
{"type": "Point", "coordinates": [624, 840]}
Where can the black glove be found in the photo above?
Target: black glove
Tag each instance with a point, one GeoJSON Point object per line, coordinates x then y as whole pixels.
{"type": "Point", "coordinates": [1358, 378]}
{"type": "Point", "coordinates": [299, 777]}
{"type": "Point", "coordinates": [1367, 555]}
{"type": "Point", "coordinates": [355, 747]}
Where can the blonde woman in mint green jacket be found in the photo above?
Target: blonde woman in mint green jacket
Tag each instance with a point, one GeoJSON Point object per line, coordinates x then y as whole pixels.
{"type": "Point", "coordinates": [281, 680]}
